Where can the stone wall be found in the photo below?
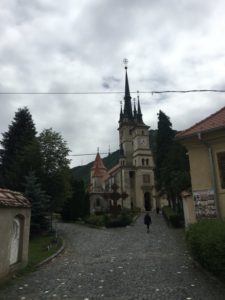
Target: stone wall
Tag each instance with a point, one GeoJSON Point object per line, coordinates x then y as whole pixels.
{"type": "Point", "coordinates": [14, 237]}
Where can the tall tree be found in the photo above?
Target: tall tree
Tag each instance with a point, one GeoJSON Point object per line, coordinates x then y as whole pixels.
{"type": "Point", "coordinates": [76, 206]}
{"type": "Point", "coordinates": [55, 165]}
{"type": "Point", "coordinates": [164, 140]}
{"type": "Point", "coordinates": [172, 167]}
{"type": "Point", "coordinates": [16, 144]}
{"type": "Point", "coordinates": [39, 203]}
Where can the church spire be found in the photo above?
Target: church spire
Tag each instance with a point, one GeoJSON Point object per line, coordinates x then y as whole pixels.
{"type": "Point", "coordinates": [139, 114]}
{"type": "Point", "coordinates": [127, 98]}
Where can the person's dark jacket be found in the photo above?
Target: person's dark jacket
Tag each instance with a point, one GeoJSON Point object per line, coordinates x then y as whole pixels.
{"type": "Point", "coordinates": [147, 220]}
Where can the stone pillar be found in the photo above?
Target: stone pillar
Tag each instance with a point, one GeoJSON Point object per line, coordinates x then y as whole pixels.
{"type": "Point", "coordinates": [189, 208]}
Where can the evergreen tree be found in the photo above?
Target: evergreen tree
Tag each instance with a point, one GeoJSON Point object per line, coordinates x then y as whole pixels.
{"type": "Point", "coordinates": [164, 140]}
{"type": "Point", "coordinates": [172, 167]}
{"type": "Point", "coordinates": [55, 167]}
{"type": "Point", "coordinates": [39, 203]}
{"type": "Point", "coordinates": [77, 206]}
{"type": "Point", "coordinates": [16, 143]}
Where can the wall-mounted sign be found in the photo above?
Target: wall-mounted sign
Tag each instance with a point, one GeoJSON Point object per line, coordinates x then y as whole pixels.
{"type": "Point", "coordinates": [204, 201]}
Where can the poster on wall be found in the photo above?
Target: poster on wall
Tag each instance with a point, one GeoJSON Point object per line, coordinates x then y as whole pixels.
{"type": "Point", "coordinates": [205, 206]}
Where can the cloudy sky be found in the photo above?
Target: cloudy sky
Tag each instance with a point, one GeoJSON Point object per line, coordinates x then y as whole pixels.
{"type": "Point", "coordinates": [79, 46]}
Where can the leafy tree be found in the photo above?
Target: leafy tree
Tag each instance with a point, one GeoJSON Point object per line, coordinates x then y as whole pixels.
{"type": "Point", "coordinates": [16, 144]}
{"type": "Point", "coordinates": [40, 203]}
{"type": "Point", "coordinates": [77, 206]}
{"type": "Point", "coordinates": [55, 167]}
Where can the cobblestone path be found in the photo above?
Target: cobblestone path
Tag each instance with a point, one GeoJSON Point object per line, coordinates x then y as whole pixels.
{"type": "Point", "coordinates": [123, 263]}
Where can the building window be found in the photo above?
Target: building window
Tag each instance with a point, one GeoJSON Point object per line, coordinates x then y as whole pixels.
{"type": "Point", "coordinates": [143, 132]}
{"type": "Point", "coordinates": [143, 162]}
{"type": "Point", "coordinates": [146, 178]}
{"type": "Point", "coordinates": [221, 166]}
{"type": "Point", "coordinates": [147, 162]}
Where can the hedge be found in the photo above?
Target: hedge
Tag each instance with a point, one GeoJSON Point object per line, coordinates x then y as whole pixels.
{"type": "Point", "coordinates": [123, 219]}
{"type": "Point", "coordinates": [206, 242]}
{"type": "Point", "coordinates": [172, 217]}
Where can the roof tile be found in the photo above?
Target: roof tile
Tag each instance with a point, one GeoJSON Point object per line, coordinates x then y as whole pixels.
{"type": "Point", "coordinates": [212, 122]}
{"type": "Point", "coordinates": [13, 199]}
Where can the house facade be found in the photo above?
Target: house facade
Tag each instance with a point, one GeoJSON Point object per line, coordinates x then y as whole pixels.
{"type": "Point", "coordinates": [205, 142]}
{"type": "Point", "coordinates": [133, 176]}
{"type": "Point", "coordinates": [15, 211]}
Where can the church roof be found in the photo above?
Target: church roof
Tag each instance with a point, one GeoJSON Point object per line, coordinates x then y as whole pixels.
{"type": "Point", "coordinates": [213, 122]}
{"type": "Point", "coordinates": [99, 169]}
{"type": "Point", "coordinates": [13, 199]}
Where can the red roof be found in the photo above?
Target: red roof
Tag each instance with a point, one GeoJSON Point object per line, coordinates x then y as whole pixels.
{"type": "Point", "coordinates": [13, 199]}
{"type": "Point", "coordinates": [99, 167]}
{"type": "Point", "coordinates": [213, 122]}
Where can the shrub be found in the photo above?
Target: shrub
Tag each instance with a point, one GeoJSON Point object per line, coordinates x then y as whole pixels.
{"type": "Point", "coordinates": [121, 220]}
{"type": "Point", "coordinates": [172, 217]}
{"type": "Point", "coordinates": [206, 242]}
{"type": "Point", "coordinates": [96, 220]}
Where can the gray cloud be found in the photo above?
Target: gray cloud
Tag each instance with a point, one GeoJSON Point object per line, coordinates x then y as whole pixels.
{"type": "Point", "coordinates": [49, 46]}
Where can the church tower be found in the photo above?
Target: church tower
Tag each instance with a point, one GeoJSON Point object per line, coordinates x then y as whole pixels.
{"type": "Point", "coordinates": [142, 162]}
{"type": "Point", "coordinates": [136, 160]}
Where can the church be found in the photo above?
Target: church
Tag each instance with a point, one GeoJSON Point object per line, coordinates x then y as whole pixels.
{"type": "Point", "coordinates": [132, 179]}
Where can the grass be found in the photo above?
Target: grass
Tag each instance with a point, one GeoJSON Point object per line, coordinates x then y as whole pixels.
{"type": "Point", "coordinates": [38, 251]}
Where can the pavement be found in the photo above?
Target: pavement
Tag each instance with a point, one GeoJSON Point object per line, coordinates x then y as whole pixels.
{"type": "Point", "coordinates": [119, 263]}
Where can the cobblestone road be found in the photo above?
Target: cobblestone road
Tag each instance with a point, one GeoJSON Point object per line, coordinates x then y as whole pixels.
{"type": "Point", "coordinates": [123, 263]}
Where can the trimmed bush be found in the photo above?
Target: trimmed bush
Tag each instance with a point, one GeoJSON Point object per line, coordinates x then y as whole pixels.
{"type": "Point", "coordinates": [206, 242]}
{"type": "Point", "coordinates": [172, 217]}
{"type": "Point", "coordinates": [96, 220]}
{"type": "Point", "coordinates": [123, 219]}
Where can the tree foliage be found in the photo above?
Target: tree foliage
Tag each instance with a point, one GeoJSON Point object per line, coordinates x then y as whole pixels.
{"type": "Point", "coordinates": [76, 206]}
{"type": "Point", "coordinates": [172, 167]}
{"type": "Point", "coordinates": [39, 203]}
{"type": "Point", "coordinates": [55, 166]}
{"type": "Point", "coordinates": [16, 152]}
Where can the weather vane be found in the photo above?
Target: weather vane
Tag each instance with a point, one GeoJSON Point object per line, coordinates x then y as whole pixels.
{"type": "Point", "coordinates": [125, 61]}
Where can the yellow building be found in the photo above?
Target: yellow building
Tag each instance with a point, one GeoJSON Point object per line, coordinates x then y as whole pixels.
{"type": "Point", "coordinates": [205, 142]}
{"type": "Point", "coordinates": [134, 175]}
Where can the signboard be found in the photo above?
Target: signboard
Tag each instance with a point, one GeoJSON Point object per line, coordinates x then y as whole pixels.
{"type": "Point", "coordinates": [204, 201]}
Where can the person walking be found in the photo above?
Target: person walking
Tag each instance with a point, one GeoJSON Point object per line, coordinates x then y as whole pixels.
{"type": "Point", "coordinates": [147, 221]}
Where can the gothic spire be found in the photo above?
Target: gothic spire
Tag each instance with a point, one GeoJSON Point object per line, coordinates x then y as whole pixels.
{"type": "Point", "coordinates": [139, 114]}
{"type": "Point", "coordinates": [135, 110]}
{"type": "Point", "coordinates": [127, 99]}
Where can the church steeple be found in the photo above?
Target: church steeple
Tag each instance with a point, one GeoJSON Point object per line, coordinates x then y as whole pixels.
{"type": "Point", "coordinates": [127, 99]}
{"type": "Point", "coordinates": [139, 114]}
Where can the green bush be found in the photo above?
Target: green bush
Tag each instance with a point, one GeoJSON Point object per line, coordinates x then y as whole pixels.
{"type": "Point", "coordinates": [96, 220]}
{"type": "Point", "coordinates": [206, 242]}
{"type": "Point", "coordinates": [172, 217]}
{"type": "Point", "coordinates": [123, 219]}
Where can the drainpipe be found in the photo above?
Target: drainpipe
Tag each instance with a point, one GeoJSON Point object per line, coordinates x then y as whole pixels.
{"type": "Point", "coordinates": [212, 171]}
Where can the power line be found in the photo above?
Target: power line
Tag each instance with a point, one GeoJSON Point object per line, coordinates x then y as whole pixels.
{"type": "Point", "coordinates": [114, 92]}
{"type": "Point", "coordinates": [87, 154]}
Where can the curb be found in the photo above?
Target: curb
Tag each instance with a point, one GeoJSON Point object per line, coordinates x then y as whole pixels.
{"type": "Point", "coordinates": [48, 259]}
